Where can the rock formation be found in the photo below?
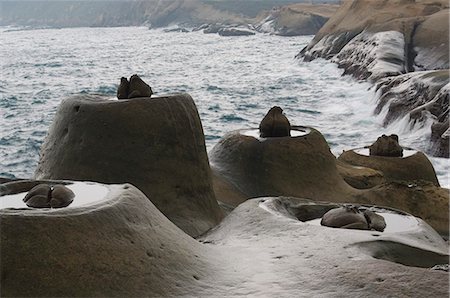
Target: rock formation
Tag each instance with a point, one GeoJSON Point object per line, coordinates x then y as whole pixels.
{"type": "Point", "coordinates": [134, 88]}
{"type": "Point", "coordinates": [409, 168]}
{"type": "Point", "coordinates": [386, 146]}
{"type": "Point", "coordinates": [122, 245]}
{"type": "Point", "coordinates": [234, 32]}
{"type": "Point", "coordinates": [351, 217]}
{"type": "Point", "coordinates": [394, 44]}
{"type": "Point", "coordinates": [275, 124]}
{"type": "Point", "coordinates": [302, 165]}
{"type": "Point", "coordinates": [157, 145]}
{"type": "Point", "coordinates": [295, 19]}
{"type": "Point", "coordinates": [45, 196]}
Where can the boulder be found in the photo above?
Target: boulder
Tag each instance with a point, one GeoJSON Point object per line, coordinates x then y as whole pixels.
{"type": "Point", "coordinates": [386, 146]}
{"type": "Point", "coordinates": [156, 144]}
{"type": "Point", "coordinates": [413, 166]}
{"type": "Point", "coordinates": [115, 244]}
{"type": "Point", "coordinates": [138, 88]}
{"type": "Point", "coordinates": [118, 244]}
{"type": "Point", "coordinates": [300, 165]}
{"type": "Point", "coordinates": [235, 32]}
{"type": "Point", "coordinates": [275, 124]}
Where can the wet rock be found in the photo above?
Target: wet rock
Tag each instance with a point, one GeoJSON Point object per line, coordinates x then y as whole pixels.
{"type": "Point", "coordinates": [157, 145]}
{"type": "Point", "coordinates": [40, 191]}
{"type": "Point", "coordinates": [275, 124]}
{"type": "Point", "coordinates": [347, 217]}
{"type": "Point", "coordinates": [138, 88]}
{"type": "Point", "coordinates": [386, 146]}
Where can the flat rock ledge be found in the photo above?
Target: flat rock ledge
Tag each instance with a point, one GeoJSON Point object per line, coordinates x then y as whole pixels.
{"type": "Point", "coordinates": [156, 144]}
{"type": "Point", "coordinates": [122, 245]}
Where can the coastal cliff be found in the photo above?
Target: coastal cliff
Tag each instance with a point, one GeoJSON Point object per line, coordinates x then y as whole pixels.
{"type": "Point", "coordinates": [270, 16]}
{"type": "Point", "coordinates": [381, 41]}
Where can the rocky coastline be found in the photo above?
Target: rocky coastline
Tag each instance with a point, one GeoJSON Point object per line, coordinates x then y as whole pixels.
{"type": "Point", "coordinates": [402, 48]}
{"type": "Point", "coordinates": [148, 213]}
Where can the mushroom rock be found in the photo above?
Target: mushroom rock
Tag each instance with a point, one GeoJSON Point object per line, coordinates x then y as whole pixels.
{"type": "Point", "coordinates": [138, 88]}
{"type": "Point", "coordinates": [275, 124]}
{"type": "Point", "coordinates": [113, 243]}
{"type": "Point", "coordinates": [116, 243]}
{"type": "Point", "coordinates": [301, 165]}
{"type": "Point", "coordinates": [157, 145]}
{"type": "Point", "coordinates": [414, 165]}
{"type": "Point", "coordinates": [386, 146]}
{"type": "Point", "coordinates": [323, 261]}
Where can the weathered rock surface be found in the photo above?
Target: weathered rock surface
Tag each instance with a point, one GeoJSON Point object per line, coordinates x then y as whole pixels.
{"type": "Point", "coordinates": [409, 168]}
{"type": "Point", "coordinates": [295, 19]}
{"type": "Point", "coordinates": [246, 166]}
{"type": "Point", "coordinates": [234, 32]}
{"type": "Point", "coordinates": [386, 146]}
{"type": "Point", "coordinates": [421, 96]}
{"type": "Point", "coordinates": [301, 166]}
{"type": "Point", "coordinates": [156, 144]}
{"type": "Point", "coordinates": [386, 39]}
{"type": "Point", "coordinates": [123, 246]}
{"type": "Point", "coordinates": [275, 124]}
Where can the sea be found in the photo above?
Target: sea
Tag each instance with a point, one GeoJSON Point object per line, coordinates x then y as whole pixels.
{"type": "Point", "coordinates": [234, 81]}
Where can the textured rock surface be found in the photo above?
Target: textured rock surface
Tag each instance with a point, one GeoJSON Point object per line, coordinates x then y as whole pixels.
{"type": "Point", "coordinates": [245, 167]}
{"type": "Point", "coordinates": [295, 19]}
{"type": "Point", "coordinates": [421, 96]}
{"type": "Point", "coordinates": [301, 166]}
{"type": "Point", "coordinates": [156, 144]}
{"type": "Point", "coordinates": [386, 146]}
{"type": "Point", "coordinates": [378, 39]}
{"type": "Point", "coordinates": [409, 168]}
{"type": "Point", "coordinates": [123, 246]}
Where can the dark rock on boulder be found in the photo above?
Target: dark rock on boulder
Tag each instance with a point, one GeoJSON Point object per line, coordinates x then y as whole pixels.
{"type": "Point", "coordinates": [275, 124]}
{"type": "Point", "coordinates": [123, 90]}
{"type": "Point", "coordinates": [45, 196]}
{"type": "Point", "coordinates": [386, 146]}
{"type": "Point", "coordinates": [409, 168]}
{"type": "Point", "coordinates": [121, 245]}
{"type": "Point", "coordinates": [138, 88]}
{"type": "Point", "coordinates": [351, 217]}
{"type": "Point", "coordinates": [347, 217]}
{"type": "Point", "coordinates": [235, 32]}
{"type": "Point", "coordinates": [157, 145]}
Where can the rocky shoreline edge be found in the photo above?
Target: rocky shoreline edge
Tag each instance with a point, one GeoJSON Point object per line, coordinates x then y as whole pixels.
{"type": "Point", "coordinates": [403, 48]}
{"type": "Point", "coordinates": [150, 214]}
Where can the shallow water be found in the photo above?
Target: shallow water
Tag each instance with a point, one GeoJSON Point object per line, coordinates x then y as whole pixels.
{"type": "Point", "coordinates": [233, 80]}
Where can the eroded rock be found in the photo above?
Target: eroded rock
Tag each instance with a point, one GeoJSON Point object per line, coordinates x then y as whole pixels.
{"type": "Point", "coordinates": [46, 196]}
{"type": "Point", "coordinates": [134, 88]}
{"type": "Point", "coordinates": [275, 124]}
{"type": "Point", "coordinates": [386, 146]}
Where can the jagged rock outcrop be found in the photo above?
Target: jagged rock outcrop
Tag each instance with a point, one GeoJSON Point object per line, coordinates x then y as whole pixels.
{"type": "Point", "coordinates": [157, 144]}
{"type": "Point", "coordinates": [120, 244]}
{"type": "Point", "coordinates": [295, 19]}
{"type": "Point", "coordinates": [389, 39]}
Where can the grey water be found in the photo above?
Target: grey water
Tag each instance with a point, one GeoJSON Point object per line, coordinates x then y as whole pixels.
{"type": "Point", "coordinates": [233, 81]}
